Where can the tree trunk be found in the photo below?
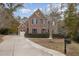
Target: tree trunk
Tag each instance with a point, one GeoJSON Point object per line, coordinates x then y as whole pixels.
{"type": "Point", "coordinates": [50, 30]}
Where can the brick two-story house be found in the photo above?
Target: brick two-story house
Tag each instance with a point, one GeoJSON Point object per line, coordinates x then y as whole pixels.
{"type": "Point", "coordinates": [37, 24]}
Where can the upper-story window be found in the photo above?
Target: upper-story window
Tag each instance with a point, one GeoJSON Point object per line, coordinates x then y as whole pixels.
{"type": "Point", "coordinates": [34, 21]}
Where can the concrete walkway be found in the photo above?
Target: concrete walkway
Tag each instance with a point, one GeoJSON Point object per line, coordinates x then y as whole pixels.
{"type": "Point", "coordinates": [18, 46]}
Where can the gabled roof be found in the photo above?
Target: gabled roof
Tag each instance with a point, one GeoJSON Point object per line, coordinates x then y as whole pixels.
{"type": "Point", "coordinates": [21, 25]}
{"type": "Point", "coordinates": [38, 13]}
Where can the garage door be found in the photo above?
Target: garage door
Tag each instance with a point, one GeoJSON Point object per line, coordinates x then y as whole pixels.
{"type": "Point", "coordinates": [22, 33]}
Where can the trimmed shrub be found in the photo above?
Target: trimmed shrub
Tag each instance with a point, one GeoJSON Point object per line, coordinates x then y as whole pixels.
{"type": "Point", "coordinates": [6, 31]}
{"type": "Point", "coordinates": [43, 35]}
{"type": "Point", "coordinates": [37, 35]}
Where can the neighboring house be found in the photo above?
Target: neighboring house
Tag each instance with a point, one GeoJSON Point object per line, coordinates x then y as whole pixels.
{"type": "Point", "coordinates": [37, 24]}
{"type": "Point", "coordinates": [22, 27]}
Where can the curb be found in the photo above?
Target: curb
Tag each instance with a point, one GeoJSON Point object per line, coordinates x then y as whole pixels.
{"type": "Point", "coordinates": [50, 51]}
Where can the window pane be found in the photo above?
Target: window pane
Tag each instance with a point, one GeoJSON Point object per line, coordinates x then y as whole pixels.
{"type": "Point", "coordinates": [34, 21]}
{"type": "Point", "coordinates": [43, 31]}
{"type": "Point", "coordinates": [34, 31]}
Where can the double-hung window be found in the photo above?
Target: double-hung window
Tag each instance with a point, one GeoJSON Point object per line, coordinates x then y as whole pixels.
{"type": "Point", "coordinates": [34, 21]}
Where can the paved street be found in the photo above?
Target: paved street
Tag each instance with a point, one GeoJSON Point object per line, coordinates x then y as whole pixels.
{"type": "Point", "coordinates": [18, 46]}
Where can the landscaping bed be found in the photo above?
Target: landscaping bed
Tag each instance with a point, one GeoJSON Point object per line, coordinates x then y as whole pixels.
{"type": "Point", "coordinates": [58, 44]}
{"type": "Point", "coordinates": [43, 35]}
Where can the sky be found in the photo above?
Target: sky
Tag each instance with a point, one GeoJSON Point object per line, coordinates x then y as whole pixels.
{"type": "Point", "coordinates": [30, 8]}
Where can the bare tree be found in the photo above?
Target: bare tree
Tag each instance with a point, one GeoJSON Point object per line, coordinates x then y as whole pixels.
{"type": "Point", "coordinates": [53, 18]}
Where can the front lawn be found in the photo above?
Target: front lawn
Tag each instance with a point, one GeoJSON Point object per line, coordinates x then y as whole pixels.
{"type": "Point", "coordinates": [58, 44]}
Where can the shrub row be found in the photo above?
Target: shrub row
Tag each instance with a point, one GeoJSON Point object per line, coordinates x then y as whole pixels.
{"type": "Point", "coordinates": [6, 31]}
{"type": "Point", "coordinates": [43, 35]}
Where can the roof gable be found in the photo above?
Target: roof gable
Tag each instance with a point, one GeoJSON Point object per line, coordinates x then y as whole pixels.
{"type": "Point", "coordinates": [38, 13]}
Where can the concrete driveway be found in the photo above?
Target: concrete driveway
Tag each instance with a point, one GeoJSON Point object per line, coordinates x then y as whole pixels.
{"type": "Point", "coordinates": [18, 46]}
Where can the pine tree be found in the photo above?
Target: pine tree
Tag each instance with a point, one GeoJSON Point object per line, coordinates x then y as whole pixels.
{"type": "Point", "coordinates": [71, 21]}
